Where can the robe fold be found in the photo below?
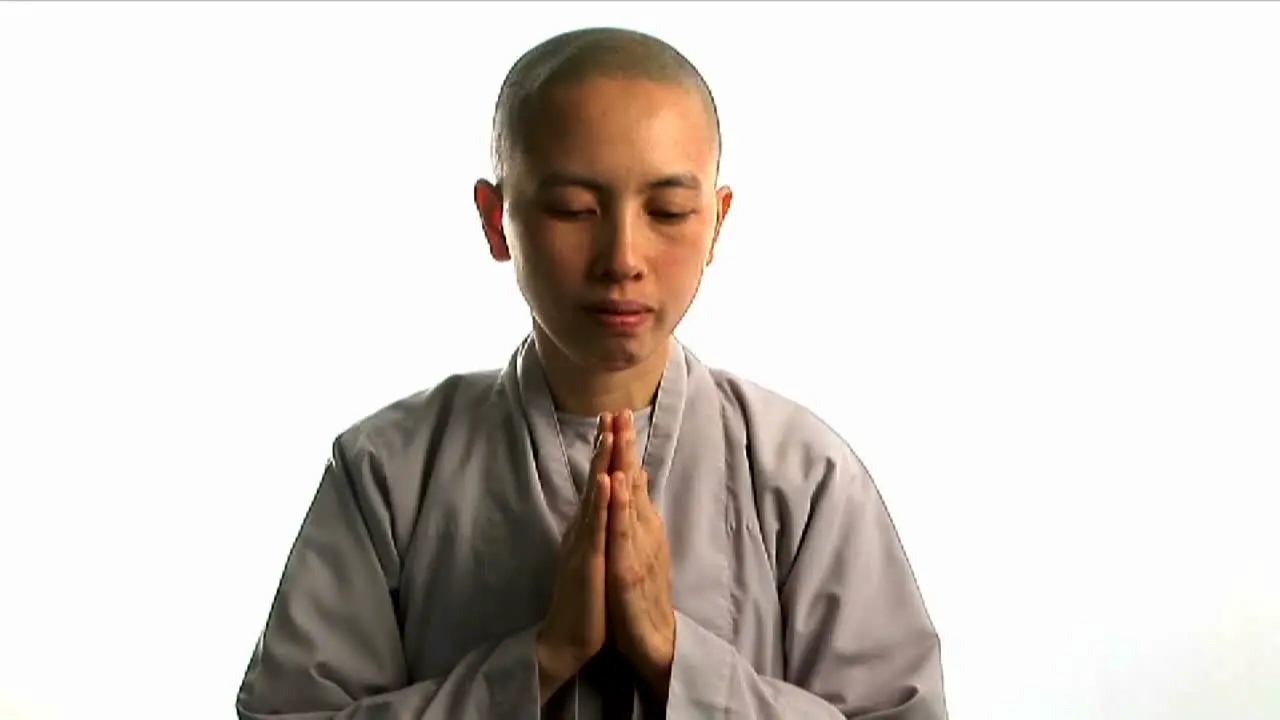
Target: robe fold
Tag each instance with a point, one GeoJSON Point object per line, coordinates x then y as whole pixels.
{"type": "Point", "coordinates": [426, 561]}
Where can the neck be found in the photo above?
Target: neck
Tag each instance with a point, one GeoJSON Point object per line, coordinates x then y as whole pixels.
{"type": "Point", "coordinates": [584, 391]}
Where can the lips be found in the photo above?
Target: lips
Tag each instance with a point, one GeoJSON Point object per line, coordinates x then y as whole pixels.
{"type": "Point", "coordinates": [620, 317]}
{"type": "Point", "coordinates": [619, 307]}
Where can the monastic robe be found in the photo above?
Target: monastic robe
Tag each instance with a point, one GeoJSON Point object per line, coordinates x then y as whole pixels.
{"type": "Point", "coordinates": [426, 561]}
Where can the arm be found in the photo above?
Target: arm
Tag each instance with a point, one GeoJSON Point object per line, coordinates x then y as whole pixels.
{"type": "Point", "coordinates": [859, 644]}
{"type": "Point", "coordinates": [332, 646]}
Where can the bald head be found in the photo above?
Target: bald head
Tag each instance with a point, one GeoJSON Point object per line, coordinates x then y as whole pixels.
{"type": "Point", "coordinates": [576, 57]}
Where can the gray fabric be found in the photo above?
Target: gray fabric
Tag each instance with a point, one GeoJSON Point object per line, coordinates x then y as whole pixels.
{"type": "Point", "coordinates": [579, 436]}
{"type": "Point", "coordinates": [425, 562]}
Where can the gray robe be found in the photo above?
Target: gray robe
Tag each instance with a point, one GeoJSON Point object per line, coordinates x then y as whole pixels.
{"type": "Point", "coordinates": [426, 560]}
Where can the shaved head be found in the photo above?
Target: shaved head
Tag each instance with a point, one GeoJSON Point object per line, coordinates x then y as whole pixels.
{"type": "Point", "coordinates": [576, 57]}
{"type": "Point", "coordinates": [606, 152]}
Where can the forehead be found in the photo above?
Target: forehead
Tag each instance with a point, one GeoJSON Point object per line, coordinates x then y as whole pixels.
{"type": "Point", "coordinates": [620, 131]}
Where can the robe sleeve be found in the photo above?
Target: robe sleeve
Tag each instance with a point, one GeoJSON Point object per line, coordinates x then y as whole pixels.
{"type": "Point", "coordinates": [332, 647]}
{"type": "Point", "coordinates": [859, 643]}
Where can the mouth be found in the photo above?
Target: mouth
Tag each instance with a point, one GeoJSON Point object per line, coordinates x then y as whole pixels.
{"type": "Point", "coordinates": [618, 307]}
{"type": "Point", "coordinates": [620, 315]}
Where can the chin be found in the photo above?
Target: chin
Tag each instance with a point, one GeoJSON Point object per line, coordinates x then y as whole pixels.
{"type": "Point", "coordinates": [617, 354]}
{"type": "Point", "coordinates": [590, 348]}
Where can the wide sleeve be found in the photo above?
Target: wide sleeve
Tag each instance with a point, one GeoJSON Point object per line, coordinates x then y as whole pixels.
{"type": "Point", "coordinates": [858, 640]}
{"type": "Point", "coordinates": [332, 649]}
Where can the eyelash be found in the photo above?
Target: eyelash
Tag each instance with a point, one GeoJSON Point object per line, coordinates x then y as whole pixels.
{"type": "Point", "coordinates": [570, 214]}
{"type": "Point", "coordinates": [660, 216]}
{"type": "Point", "coordinates": [670, 216]}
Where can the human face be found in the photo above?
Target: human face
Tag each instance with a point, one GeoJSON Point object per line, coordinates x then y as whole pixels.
{"type": "Point", "coordinates": [610, 214]}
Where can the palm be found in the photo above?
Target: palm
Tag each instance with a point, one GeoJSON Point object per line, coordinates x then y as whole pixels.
{"type": "Point", "coordinates": [577, 622]}
{"type": "Point", "coordinates": [639, 585]}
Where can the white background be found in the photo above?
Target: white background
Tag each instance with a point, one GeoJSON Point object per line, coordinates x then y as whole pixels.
{"type": "Point", "coordinates": [1023, 256]}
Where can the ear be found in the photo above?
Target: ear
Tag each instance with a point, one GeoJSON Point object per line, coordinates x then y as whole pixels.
{"type": "Point", "coordinates": [724, 199]}
{"type": "Point", "coordinates": [488, 198]}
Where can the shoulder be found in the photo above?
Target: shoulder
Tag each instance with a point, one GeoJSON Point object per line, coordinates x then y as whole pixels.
{"type": "Point", "coordinates": [384, 458]}
{"type": "Point", "coordinates": [788, 443]}
{"type": "Point", "coordinates": [771, 414]}
{"type": "Point", "coordinates": [415, 418]}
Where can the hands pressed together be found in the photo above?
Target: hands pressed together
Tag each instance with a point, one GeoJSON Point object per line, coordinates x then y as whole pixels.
{"type": "Point", "coordinates": [614, 579]}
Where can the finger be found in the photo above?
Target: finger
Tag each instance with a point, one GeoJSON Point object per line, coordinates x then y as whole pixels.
{"type": "Point", "coordinates": [622, 427]}
{"type": "Point", "coordinates": [619, 507]}
{"type": "Point", "coordinates": [586, 502]}
{"type": "Point", "coordinates": [640, 491]}
{"type": "Point", "coordinates": [604, 445]}
{"type": "Point", "coordinates": [599, 518]}
{"type": "Point", "coordinates": [633, 452]}
{"type": "Point", "coordinates": [636, 498]}
{"type": "Point", "coordinates": [604, 424]}
{"type": "Point", "coordinates": [603, 457]}
{"type": "Point", "coordinates": [620, 421]}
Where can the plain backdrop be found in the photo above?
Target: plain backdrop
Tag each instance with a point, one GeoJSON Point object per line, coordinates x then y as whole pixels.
{"type": "Point", "coordinates": [1023, 256]}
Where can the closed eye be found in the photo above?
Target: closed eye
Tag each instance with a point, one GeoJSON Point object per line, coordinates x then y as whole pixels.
{"type": "Point", "coordinates": [669, 216]}
{"type": "Point", "coordinates": [570, 214]}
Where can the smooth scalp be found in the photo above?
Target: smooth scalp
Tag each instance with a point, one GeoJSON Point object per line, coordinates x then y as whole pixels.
{"type": "Point", "coordinates": [576, 57]}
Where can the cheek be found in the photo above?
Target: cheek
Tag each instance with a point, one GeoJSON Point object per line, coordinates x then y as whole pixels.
{"type": "Point", "coordinates": [686, 251]}
{"type": "Point", "coordinates": [548, 270]}
{"type": "Point", "coordinates": [541, 250]}
{"type": "Point", "coordinates": [681, 265]}
{"type": "Point", "coordinates": [682, 259]}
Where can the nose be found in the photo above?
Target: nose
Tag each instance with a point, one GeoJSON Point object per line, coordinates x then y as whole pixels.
{"type": "Point", "coordinates": [619, 250]}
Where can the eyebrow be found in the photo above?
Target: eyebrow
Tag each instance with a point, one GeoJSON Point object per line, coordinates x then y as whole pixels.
{"type": "Point", "coordinates": [678, 181]}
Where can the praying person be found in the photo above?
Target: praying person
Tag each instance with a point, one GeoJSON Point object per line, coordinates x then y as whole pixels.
{"type": "Point", "coordinates": [606, 527]}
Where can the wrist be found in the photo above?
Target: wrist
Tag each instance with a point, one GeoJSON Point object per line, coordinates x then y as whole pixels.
{"type": "Point", "coordinates": [657, 676]}
{"type": "Point", "coordinates": [656, 670]}
{"type": "Point", "coordinates": [555, 667]}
